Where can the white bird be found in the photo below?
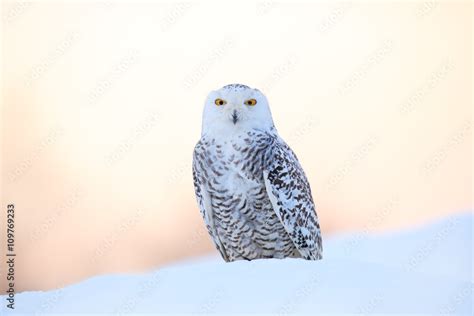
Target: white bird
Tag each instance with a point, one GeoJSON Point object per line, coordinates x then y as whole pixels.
{"type": "Point", "coordinates": [252, 191]}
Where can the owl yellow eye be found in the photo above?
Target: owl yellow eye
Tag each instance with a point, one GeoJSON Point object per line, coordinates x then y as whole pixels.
{"type": "Point", "coordinates": [219, 102]}
{"type": "Point", "coordinates": [251, 102]}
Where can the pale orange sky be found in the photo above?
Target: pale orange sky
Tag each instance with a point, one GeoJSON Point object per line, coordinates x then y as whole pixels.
{"type": "Point", "coordinates": [102, 108]}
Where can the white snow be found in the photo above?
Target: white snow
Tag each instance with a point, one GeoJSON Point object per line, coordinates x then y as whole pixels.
{"type": "Point", "coordinates": [425, 270]}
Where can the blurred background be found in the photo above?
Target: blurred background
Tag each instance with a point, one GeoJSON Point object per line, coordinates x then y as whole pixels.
{"type": "Point", "coordinates": [102, 106]}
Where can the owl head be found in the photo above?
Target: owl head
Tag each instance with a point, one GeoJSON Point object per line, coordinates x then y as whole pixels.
{"type": "Point", "coordinates": [236, 108]}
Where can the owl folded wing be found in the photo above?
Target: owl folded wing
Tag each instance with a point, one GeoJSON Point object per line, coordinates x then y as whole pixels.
{"type": "Point", "coordinates": [290, 195]}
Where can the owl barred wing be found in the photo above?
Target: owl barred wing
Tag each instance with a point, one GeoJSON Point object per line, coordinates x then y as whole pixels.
{"type": "Point", "coordinates": [290, 195]}
{"type": "Point", "coordinates": [204, 199]}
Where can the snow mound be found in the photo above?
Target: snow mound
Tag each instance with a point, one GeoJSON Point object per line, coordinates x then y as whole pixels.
{"type": "Point", "coordinates": [427, 270]}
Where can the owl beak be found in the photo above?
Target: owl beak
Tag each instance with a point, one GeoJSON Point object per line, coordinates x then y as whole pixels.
{"type": "Point", "coordinates": [235, 117]}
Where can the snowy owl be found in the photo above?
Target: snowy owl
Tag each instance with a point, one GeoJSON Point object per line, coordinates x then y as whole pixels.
{"type": "Point", "coordinates": [252, 192]}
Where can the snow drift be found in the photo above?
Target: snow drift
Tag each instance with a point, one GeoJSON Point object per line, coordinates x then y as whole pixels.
{"type": "Point", "coordinates": [426, 270]}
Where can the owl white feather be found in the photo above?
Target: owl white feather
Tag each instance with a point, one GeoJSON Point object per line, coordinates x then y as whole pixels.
{"type": "Point", "coordinates": [252, 191]}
